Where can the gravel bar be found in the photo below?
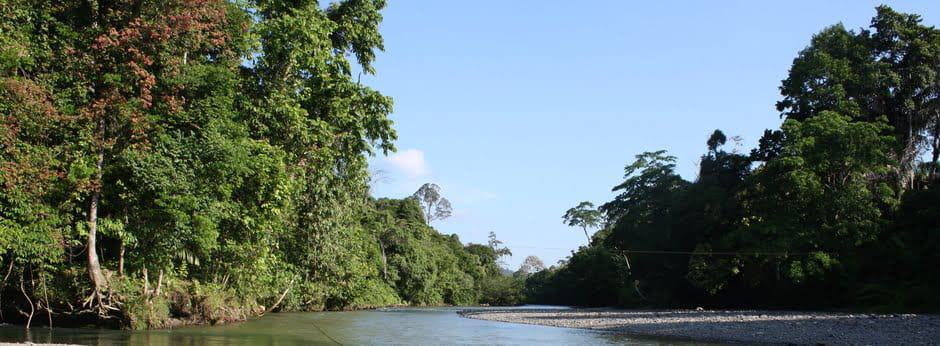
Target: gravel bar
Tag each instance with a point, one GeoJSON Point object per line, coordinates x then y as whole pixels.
{"type": "Point", "coordinates": [740, 326]}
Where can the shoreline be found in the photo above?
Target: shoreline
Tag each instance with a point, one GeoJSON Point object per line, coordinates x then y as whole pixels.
{"type": "Point", "coordinates": [734, 326]}
{"type": "Point", "coordinates": [90, 322]}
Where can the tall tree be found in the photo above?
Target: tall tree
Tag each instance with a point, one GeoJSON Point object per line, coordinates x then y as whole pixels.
{"type": "Point", "coordinates": [716, 140]}
{"type": "Point", "coordinates": [824, 180]}
{"type": "Point", "coordinates": [435, 206]}
{"type": "Point", "coordinates": [834, 213]}
{"type": "Point", "coordinates": [531, 264]}
{"type": "Point", "coordinates": [643, 217]}
{"type": "Point", "coordinates": [888, 70]}
{"type": "Point", "coordinates": [583, 215]}
{"type": "Point", "coordinates": [124, 50]}
{"type": "Point", "coordinates": [306, 100]}
{"type": "Point", "coordinates": [499, 251]}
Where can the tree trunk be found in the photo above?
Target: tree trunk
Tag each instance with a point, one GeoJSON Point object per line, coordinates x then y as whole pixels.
{"type": "Point", "coordinates": [45, 293]}
{"type": "Point", "coordinates": [3, 284]}
{"type": "Point", "coordinates": [636, 287]}
{"type": "Point", "coordinates": [936, 155]}
{"type": "Point", "coordinates": [384, 260]}
{"type": "Point", "coordinates": [281, 298]}
{"type": "Point", "coordinates": [936, 148]}
{"type": "Point", "coordinates": [32, 308]}
{"type": "Point", "coordinates": [156, 291]}
{"type": "Point", "coordinates": [909, 155]}
{"type": "Point", "coordinates": [122, 248]}
{"type": "Point", "coordinates": [94, 267]}
{"type": "Point", "coordinates": [146, 282]}
{"type": "Point", "coordinates": [121, 260]}
{"type": "Point", "coordinates": [587, 236]}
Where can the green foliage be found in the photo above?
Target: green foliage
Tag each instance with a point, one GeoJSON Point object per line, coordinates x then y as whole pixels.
{"type": "Point", "coordinates": [888, 70]}
{"type": "Point", "coordinates": [220, 147]}
{"type": "Point", "coordinates": [827, 212]}
{"type": "Point", "coordinates": [502, 290]}
{"type": "Point", "coordinates": [823, 178]}
{"type": "Point", "coordinates": [434, 206]}
{"type": "Point", "coordinates": [593, 276]}
{"type": "Point", "coordinates": [585, 216]}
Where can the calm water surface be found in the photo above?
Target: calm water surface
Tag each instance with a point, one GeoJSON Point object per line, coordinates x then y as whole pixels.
{"type": "Point", "coordinates": [387, 326]}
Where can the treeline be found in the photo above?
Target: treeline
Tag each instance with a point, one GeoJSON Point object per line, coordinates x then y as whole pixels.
{"type": "Point", "coordinates": [839, 208]}
{"type": "Point", "coordinates": [424, 267]}
{"type": "Point", "coordinates": [181, 161]}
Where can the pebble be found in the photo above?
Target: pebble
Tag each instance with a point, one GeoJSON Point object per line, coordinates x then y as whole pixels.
{"type": "Point", "coordinates": [742, 326]}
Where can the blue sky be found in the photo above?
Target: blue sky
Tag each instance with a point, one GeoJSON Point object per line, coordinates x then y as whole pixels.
{"type": "Point", "coordinates": [521, 109]}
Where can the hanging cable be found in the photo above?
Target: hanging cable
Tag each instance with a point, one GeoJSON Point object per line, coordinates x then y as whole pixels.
{"type": "Point", "coordinates": [725, 253]}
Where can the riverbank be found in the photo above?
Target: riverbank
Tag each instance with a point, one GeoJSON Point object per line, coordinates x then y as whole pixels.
{"type": "Point", "coordinates": [775, 327]}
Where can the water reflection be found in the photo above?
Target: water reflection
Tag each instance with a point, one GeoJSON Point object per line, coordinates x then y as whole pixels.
{"type": "Point", "coordinates": [388, 326]}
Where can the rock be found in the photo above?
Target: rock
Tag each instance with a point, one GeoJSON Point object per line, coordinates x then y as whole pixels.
{"type": "Point", "coordinates": [735, 326]}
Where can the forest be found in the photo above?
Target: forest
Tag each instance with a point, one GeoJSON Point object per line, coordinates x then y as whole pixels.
{"type": "Point", "coordinates": [205, 161]}
{"type": "Point", "coordinates": [178, 162]}
{"type": "Point", "coordinates": [837, 209]}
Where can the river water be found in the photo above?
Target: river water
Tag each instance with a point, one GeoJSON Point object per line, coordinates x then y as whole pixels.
{"type": "Point", "coordinates": [408, 326]}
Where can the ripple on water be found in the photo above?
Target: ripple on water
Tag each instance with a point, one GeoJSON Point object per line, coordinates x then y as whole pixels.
{"type": "Point", "coordinates": [433, 325]}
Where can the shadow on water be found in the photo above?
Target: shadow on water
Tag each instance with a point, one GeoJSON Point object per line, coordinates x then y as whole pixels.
{"type": "Point", "coordinates": [386, 326]}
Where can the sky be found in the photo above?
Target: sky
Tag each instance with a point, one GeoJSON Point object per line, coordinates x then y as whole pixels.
{"type": "Point", "coordinates": [521, 109]}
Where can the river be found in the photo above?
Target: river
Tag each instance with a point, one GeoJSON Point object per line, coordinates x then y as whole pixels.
{"type": "Point", "coordinates": [384, 326]}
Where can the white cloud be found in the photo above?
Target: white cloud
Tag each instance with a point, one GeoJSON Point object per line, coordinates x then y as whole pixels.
{"type": "Point", "coordinates": [410, 162]}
